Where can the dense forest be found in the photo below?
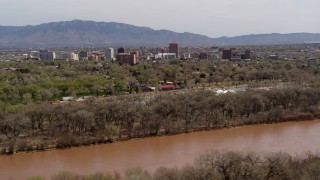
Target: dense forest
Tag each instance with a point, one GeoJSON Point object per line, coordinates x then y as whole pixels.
{"type": "Point", "coordinates": [33, 117]}
{"type": "Point", "coordinates": [215, 165]}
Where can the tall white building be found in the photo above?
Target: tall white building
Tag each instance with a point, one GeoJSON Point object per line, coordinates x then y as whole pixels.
{"type": "Point", "coordinates": [110, 54]}
{"type": "Point", "coordinates": [73, 56]}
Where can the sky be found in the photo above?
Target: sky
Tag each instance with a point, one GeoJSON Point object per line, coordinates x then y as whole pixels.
{"type": "Point", "coordinates": [213, 18]}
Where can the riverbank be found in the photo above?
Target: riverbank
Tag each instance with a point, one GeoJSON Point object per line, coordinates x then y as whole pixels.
{"type": "Point", "coordinates": [294, 138]}
{"type": "Point", "coordinates": [18, 150]}
{"type": "Point", "coordinates": [46, 126]}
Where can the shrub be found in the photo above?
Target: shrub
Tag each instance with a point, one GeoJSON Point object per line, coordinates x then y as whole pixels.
{"type": "Point", "coordinates": [99, 176]}
{"type": "Point", "coordinates": [22, 145]}
{"type": "Point", "coordinates": [63, 175]}
{"type": "Point", "coordinates": [136, 174]}
{"type": "Point", "coordinates": [67, 142]}
{"type": "Point", "coordinates": [36, 178]}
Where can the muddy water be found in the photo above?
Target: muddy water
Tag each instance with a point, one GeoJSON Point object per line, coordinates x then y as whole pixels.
{"type": "Point", "coordinates": [170, 151]}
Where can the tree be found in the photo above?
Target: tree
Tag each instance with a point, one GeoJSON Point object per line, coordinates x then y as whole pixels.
{"type": "Point", "coordinates": [275, 166]}
{"type": "Point", "coordinates": [27, 98]}
{"type": "Point", "coordinates": [45, 95]}
{"type": "Point", "coordinates": [165, 112]}
{"type": "Point", "coordinates": [13, 125]}
{"type": "Point", "coordinates": [111, 131]}
{"type": "Point", "coordinates": [132, 84]}
{"type": "Point", "coordinates": [163, 173]}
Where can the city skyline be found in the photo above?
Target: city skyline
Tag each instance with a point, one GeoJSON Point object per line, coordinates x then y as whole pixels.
{"type": "Point", "coordinates": [207, 17]}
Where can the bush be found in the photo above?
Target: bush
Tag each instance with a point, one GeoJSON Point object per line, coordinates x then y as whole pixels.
{"type": "Point", "coordinates": [36, 178]}
{"type": "Point", "coordinates": [2, 150]}
{"type": "Point", "coordinates": [274, 115]}
{"type": "Point", "coordinates": [300, 117]}
{"type": "Point", "coordinates": [165, 174]}
{"type": "Point", "coordinates": [99, 176]}
{"type": "Point", "coordinates": [317, 115]}
{"type": "Point", "coordinates": [11, 149]}
{"type": "Point", "coordinates": [136, 174]}
{"type": "Point", "coordinates": [22, 145]}
{"type": "Point", "coordinates": [40, 146]}
{"type": "Point", "coordinates": [67, 142]}
{"type": "Point", "coordinates": [64, 175]}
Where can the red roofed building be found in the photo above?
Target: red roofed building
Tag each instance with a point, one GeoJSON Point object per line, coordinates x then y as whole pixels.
{"type": "Point", "coordinates": [167, 87]}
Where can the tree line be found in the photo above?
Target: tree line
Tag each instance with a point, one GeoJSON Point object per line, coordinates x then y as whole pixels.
{"type": "Point", "coordinates": [216, 165]}
{"type": "Point", "coordinates": [62, 125]}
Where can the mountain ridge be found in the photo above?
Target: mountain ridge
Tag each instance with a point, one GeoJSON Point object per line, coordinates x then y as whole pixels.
{"type": "Point", "coordinates": [79, 33]}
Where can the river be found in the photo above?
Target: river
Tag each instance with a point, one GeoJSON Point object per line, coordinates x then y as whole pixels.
{"type": "Point", "coordinates": [169, 151]}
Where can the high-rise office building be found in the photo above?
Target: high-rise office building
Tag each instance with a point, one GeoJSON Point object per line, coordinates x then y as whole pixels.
{"type": "Point", "coordinates": [47, 55]}
{"type": "Point", "coordinates": [83, 55]}
{"type": "Point", "coordinates": [248, 54]}
{"type": "Point", "coordinates": [227, 54]}
{"type": "Point", "coordinates": [121, 50]}
{"type": "Point", "coordinates": [173, 48]}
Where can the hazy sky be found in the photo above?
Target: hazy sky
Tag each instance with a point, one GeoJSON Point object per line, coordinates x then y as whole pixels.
{"type": "Point", "coordinates": [213, 18]}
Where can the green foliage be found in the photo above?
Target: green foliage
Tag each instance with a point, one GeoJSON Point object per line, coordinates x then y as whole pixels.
{"type": "Point", "coordinates": [112, 130]}
{"type": "Point", "coordinates": [63, 175]}
{"type": "Point", "coordinates": [36, 178]}
{"type": "Point", "coordinates": [136, 174]}
{"type": "Point", "coordinates": [154, 81]}
{"type": "Point", "coordinates": [99, 176]}
{"type": "Point", "coordinates": [51, 80]}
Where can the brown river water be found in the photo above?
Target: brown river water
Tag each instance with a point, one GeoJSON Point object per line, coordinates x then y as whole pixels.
{"type": "Point", "coordinates": [296, 138]}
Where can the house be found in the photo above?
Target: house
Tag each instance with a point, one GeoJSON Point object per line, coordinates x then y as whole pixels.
{"type": "Point", "coordinates": [69, 98]}
{"type": "Point", "coordinates": [312, 62]}
{"type": "Point", "coordinates": [167, 87]}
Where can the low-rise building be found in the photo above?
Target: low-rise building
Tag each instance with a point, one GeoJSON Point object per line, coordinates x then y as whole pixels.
{"type": "Point", "coordinates": [68, 98]}
{"type": "Point", "coordinates": [312, 62]}
{"type": "Point", "coordinates": [166, 56]}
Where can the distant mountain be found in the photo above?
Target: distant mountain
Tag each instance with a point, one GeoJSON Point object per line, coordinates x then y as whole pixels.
{"type": "Point", "coordinates": [269, 39]}
{"type": "Point", "coordinates": [79, 33]}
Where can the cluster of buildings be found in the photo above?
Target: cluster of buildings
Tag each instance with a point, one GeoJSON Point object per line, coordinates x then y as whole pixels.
{"type": "Point", "coordinates": [121, 55]}
{"type": "Point", "coordinates": [164, 53]}
{"type": "Point", "coordinates": [232, 54]}
{"type": "Point", "coordinates": [132, 56]}
{"type": "Point", "coordinates": [124, 57]}
{"type": "Point", "coordinates": [51, 55]}
{"type": "Point", "coordinates": [64, 55]}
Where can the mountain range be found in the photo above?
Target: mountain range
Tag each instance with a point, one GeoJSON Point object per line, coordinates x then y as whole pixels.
{"type": "Point", "coordinates": [78, 33]}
